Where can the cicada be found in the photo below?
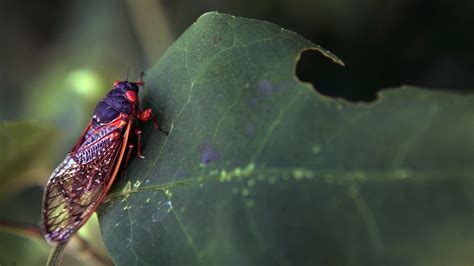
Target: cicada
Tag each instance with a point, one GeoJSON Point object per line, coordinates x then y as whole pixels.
{"type": "Point", "coordinates": [79, 184]}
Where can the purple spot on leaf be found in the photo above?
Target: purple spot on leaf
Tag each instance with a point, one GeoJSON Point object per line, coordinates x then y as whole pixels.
{"type": "Point", "coordinates": [250, 129]}
{"type": "Point", "coordinates": [264, 88]}
{"type": "Point", "coordinates": [208, 153]}
{"type": "Point", "coordinates": [253, 102]}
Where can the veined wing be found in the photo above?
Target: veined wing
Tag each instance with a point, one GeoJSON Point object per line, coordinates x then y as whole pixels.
{"type": "Point", "coordinates": [79, 184]}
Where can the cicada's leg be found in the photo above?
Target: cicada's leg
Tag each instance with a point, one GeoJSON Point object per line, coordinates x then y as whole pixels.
{"type": "Point", "coordinates": [138, 133]}
{"type": "Point", "coordinates": [146, 115]}
{"type": "Point", "coordinates": [129, 154]}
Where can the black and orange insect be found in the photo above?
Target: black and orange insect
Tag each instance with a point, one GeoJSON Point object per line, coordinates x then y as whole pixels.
{"type": "Point", "coordinates": [79, 184]}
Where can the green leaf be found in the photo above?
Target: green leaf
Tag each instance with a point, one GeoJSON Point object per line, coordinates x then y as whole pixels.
{"type": "Point", "coordinates": [260, 169]}
{"type": "Point", "coordinates": [26, 151]}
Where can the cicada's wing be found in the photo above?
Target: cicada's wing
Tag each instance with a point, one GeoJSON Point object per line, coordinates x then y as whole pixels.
{"type": "Point", "coordinates": [80, 183]}
{"type": "Point", "coordinates": [81, 138]}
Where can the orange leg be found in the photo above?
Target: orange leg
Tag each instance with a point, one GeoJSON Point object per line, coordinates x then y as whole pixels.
{"type": "Point", "coordinates": [138, 133]}
{"type": "Point", "coordinates": [146, 115]}
{"type": "Point", "coordinates": [129, 154]}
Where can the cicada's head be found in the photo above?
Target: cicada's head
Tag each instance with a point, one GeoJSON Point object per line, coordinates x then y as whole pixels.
{"type": "Point", "coordinates": [128, 89]}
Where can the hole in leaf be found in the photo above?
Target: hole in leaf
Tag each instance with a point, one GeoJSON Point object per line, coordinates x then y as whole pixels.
{"type": "Point", "coordinates": [329, 78]}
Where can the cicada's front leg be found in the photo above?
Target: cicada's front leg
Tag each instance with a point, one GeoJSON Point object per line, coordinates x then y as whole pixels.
{"type": "Point", "coordinates": [147, 115]}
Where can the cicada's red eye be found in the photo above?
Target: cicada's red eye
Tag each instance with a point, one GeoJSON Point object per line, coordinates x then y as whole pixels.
{"type": "Point", "coordinates": [140, 83]}
{"type": "Point", "coordinates": [131, 96]}
{"type": "Point", "coordinates": [116, 83]}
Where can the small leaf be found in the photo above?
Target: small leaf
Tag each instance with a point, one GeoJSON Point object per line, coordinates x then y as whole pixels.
{"type": "Point", "coordinates": [260, 169]}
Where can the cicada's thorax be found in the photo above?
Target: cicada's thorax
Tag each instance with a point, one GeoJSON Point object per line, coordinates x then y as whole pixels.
{"type": "Point", "coordinates": [113, 112]}
{"type": "Point", "coordinates": [112, 106]}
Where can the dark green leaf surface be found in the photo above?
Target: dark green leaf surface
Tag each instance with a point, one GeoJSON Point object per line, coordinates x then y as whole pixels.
{"type": "Point", "coordinates": [260, 169]}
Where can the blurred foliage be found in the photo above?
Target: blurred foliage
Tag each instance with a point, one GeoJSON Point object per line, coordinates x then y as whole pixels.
{"type": "Point", "coordinates": [24, 209]}
{"type": "Point", "coordinates": [25, 158]}
{"type": "Point", "coordinates": [59, 57]}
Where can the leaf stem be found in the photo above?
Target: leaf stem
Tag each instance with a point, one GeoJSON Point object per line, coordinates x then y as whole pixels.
{"type": "Point", "coordinates": [21, 229]}
{"type": "Point", "coordinates": [56, 254]}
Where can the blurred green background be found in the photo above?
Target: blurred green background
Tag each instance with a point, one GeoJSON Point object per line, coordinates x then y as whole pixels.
{"type": "Point", "coordinates": [59, 57]}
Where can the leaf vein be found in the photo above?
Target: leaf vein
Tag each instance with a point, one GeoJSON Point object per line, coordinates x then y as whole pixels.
{"type": "Point", "coordinates": [272, 127]}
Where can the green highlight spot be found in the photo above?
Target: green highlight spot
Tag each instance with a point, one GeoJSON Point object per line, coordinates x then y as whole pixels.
{"type": "Point", "coordinates": [250, 203]}
{"type": "Point", "coordinates": [137, 184]}
{"type": "Point", "coordinates": [127, 188]}
{"type": "Point", "coordinates": [251, 182]}
{"type": "Point", "coordinates": [236, 173]}
{"type": "Point", "coordinates": [168, 193]}
{"type": "Point", "coordinates": [301, 173]}
{"type": "Point", "coordinates": [85, 82]}
{"type": "Point", "coordinates": [316, 149]}
{"type": "Point", "coordinates": [224, 176]}
{"type": "Point", "coordinates": [126, 191]}
{"type": "Point", "coordinates": [298, 174]}
{"type": "Point", "coordinates": [249, 169]}
{"type": "Point", "coordinates": [402, 173]}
